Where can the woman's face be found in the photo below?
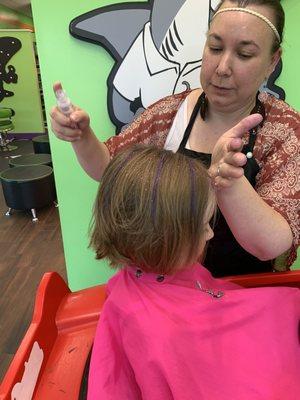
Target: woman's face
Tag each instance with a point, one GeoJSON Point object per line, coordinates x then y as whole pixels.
{"type": "Point", "coordinates": [237, 58]}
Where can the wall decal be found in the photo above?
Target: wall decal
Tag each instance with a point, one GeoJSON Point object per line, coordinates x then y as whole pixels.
{"type": "Point", "coordinates": [157, 47]}
{"type": "Point", "coordinates": [8, 48]}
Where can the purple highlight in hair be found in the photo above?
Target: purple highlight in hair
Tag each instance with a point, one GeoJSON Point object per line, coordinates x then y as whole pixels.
{"type": "Point", "coordinates": [154, 191]}
{"type": "Point", "coordinates": [193, 184]}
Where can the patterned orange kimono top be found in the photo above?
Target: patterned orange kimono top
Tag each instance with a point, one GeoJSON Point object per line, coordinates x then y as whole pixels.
{"type": "Point", "coordinates": [276, 150]}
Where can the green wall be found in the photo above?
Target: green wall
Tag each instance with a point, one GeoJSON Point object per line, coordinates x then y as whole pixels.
{"type": "Point", "coordinates": [26, 101]}
{"type": "Point", "coordinates": [290, 77]}
{"type": "Point", "coordinates": [83, 68]}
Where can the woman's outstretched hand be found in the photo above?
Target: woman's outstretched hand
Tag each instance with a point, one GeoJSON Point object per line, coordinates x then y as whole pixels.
{"type": "Point", "coordinates": [227, 159]}
{"type": "Point", "coordinates": [71, 127]}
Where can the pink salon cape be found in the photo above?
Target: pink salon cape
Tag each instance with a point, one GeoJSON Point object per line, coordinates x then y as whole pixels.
{"type": "Point", "coordinates": [165, 338]}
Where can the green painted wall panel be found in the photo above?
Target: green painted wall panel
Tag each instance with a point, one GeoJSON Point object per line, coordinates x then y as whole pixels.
{"type": "Point", "coordinates": [83, 68]}
{"type": "Point", "coordinates": [290, 76]}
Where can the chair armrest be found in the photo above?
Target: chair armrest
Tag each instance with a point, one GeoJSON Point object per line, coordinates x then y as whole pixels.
{"type": "Point", "coordinates": [287, 278]}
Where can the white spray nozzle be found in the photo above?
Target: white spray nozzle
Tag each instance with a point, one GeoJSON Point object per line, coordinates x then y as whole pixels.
{"type": "Point", "coordinates": [63, 101]}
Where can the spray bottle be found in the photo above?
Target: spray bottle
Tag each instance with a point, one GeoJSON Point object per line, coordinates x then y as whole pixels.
{"type": "Point", "coordinates": [63, 101]}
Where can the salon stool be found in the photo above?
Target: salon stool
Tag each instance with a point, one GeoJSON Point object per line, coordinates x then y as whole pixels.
{"type": "Point", "coordinates": [31, 160]}
{"type": "Point", "coordinates": [41, 144]}
{"type": "Point", "coordinates": [28, 188]}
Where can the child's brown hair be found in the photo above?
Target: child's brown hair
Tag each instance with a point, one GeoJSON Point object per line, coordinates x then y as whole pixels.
{"type": "Point", "coordinates": [150, 210]}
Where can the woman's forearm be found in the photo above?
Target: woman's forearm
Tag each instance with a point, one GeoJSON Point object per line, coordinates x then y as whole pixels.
{"type": "Point", "coordinates": [92, 155]}
{"type": "Point", "coordinates": [257, 227]}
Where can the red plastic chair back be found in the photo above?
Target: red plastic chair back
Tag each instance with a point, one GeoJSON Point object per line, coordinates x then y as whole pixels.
{"type": "Point", "coordinates": [64, 325]}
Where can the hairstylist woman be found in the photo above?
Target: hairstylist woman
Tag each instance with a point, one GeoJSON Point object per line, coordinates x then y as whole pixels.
{"type": "Point", "coordinates": [253, 162]}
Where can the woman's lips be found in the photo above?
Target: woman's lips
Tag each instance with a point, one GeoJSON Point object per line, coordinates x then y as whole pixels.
{"type": "Point", "coordinates": [221, 87]}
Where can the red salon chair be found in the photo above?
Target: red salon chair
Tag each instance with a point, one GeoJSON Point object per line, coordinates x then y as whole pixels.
{"type": "Point", "coordinates": [51, 362]}
{"type": "Point", "coordinates": [51, 359]}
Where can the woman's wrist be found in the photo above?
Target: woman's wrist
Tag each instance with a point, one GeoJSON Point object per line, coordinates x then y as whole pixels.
{"type": "Point", "coordinates": [85, 137]}
{"type": "Point", "coordinates": [231, 188]}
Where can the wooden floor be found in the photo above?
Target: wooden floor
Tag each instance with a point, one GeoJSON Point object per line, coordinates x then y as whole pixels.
{"type": "Point", "coordinates": [27, 251]}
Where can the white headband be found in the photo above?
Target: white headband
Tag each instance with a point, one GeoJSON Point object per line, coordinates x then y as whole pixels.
{"type": "Point", "coordinates": [247, 10]}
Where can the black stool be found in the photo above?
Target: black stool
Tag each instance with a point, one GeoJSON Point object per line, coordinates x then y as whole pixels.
{"type": "Point", "coordinates": [41, 144]}
{"type": "Point", "coordinates": [28, 188]}
{"type": "Point", "coordinates": [30, 160]}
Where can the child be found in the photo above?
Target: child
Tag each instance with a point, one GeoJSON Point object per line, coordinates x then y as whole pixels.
{"type": "Point", "coordinates": [168, 329]}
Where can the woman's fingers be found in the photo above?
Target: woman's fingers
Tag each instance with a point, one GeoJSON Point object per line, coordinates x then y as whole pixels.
{"type": "Point", "coordinates": [235, 144]}
{"type": "Point", "coordinates": [227, 158]}
{"type": "Point", "coordinates": [235, 159]}
{"type": "Point", "coordinates": [80, 118]}
{"type": "Point", "coordinates": [67, 138]}
{"type": "Point", "coordinates": [60, 118]}
{"type": "Point", "coordinates": [228, 171]}
{"type": "Point", "coordinates": [65, 132]}
{"type": "Point", "coordinates": [69, 128]}
{"type": "Point", "coordinates": [244, 126]}
{"type": "Point", "coordinates": [222, 183]}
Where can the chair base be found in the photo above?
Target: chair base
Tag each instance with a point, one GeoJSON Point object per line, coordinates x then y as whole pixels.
{"type": "Point", "coordinates": [7, 148]}
{"type": "Point", "coordinates": [33, 212]}
{"type": "Point", "coordinates": [4, 143]}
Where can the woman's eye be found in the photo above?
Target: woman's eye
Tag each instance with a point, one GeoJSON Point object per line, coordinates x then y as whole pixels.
{"type": "Point", "coordinates": [244, 56]}
{"type": "Point", "coordinates": [215, 49]}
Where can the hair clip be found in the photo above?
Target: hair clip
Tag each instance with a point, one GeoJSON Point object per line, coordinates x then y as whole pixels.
{"type": "Point", "coordinates": [160, 278]}
{"type": "Point", "coordinates": [138, 273]}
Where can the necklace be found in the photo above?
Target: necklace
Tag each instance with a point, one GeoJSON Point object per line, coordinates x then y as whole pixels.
{"type": "Point", "coordinates": [217, 294]}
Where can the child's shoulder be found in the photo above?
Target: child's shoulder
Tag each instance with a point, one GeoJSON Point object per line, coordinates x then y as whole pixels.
{"type": "Point", "coordinates": [119, 289]}
{"type": "Point", "coordinates": [125, 300]}
{"type": "Point", "coordinates": [112, 282]}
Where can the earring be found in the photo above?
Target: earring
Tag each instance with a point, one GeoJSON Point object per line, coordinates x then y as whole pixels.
{"type": "Point", "coordinates": [203, 105]}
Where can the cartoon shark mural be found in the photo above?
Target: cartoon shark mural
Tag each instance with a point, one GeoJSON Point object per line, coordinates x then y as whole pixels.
{"type": "Point", "coordinates": [157, 47]}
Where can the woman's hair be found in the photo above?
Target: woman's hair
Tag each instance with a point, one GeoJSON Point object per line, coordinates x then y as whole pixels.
{"type": "Point", "coordinates": [150, 210]}
{"type": "Point", "coordinates": [274, 5]}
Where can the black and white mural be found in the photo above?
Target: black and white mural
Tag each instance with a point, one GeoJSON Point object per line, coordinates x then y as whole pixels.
{"type": "Point", "coordinates": [8, 48]}
{"type": "Point", "coordinates": [157, 47]}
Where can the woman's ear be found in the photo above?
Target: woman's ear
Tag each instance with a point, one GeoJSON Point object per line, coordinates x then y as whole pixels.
{"type": "Point", "coordinates": [274, 60]}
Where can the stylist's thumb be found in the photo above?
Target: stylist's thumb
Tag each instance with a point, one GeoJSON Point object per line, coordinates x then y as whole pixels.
{"type": "Point", "coordinates": [244, 126]}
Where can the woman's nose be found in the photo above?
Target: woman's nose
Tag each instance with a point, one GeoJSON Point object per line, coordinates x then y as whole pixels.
{"type": "Point", "coordinates": [224, 66]}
